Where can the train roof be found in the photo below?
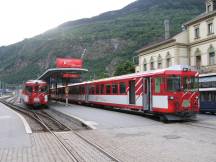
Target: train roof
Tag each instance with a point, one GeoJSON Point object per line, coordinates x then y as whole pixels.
{"type": "Point", "coordinates": [207, 75]}
{"type": "Point", "coordinates": [147, 73]}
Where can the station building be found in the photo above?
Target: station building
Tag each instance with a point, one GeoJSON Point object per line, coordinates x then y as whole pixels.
{"type": "Point", "coordinates": [194, 46]}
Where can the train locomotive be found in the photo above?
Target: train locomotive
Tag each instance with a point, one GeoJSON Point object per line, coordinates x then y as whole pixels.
{"type": "Point", "coordinates": [35, 93]}
{"type": "Point", "coordinates": [170, 93]}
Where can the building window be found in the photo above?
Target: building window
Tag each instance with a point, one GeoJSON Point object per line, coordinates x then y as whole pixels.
{"type": "Point", "coordinates": [168, 60]}
{"type": "Point", "coordinates": [210, 28]}
{"type": "Point", "coordinates": [198, 62]}
{"type": "Point", "coordinates": [197, 32]}
{"type": "Point", "coordinates": [209, 7]}
{"type": "Point", "coordinates": [212, 58]}
{"type": "Point", "coordinates": [144, 65]}
{"type": "Point", "coordinates": [159, 65]}
{"type": "Point", "coordinates": [211, 53]}
{"type": "Point", "coordinates": [159, 62]}
{"type": "Point", "coordinates": [151, 63]}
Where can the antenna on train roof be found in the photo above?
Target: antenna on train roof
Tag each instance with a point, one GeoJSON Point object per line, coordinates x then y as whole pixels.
{"type": "Point", "coordinates": [83, 54]}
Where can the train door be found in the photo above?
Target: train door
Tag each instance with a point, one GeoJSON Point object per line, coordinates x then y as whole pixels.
{"type": "Point", "coordinates": [132, 94]}
{"type": "Point", "coordinates": [147, 94]}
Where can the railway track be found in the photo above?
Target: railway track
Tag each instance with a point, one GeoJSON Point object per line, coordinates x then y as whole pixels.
{"type": "Point", "coordinates": [52, 125]}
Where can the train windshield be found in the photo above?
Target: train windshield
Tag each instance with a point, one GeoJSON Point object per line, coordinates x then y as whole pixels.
{"type": "Point", "coordinates": [190, 83]}
{"type": "Point", "coordinates": [40, 89]}
{"type": "Point", "coordinates": [28, 88]}
{"type": "Point", "coordinates": [174, 83]}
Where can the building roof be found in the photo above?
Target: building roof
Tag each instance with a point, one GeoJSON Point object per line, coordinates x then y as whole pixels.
{"type": "Point", "coordinates": [200, 17]}
{"type": "Point", "coordinates": [152, 46]}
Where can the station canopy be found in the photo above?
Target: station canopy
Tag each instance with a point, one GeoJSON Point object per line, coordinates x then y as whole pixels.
{"type": "Point", "coordinates": [58, 72]}
{"type": "Point", "coordinates": [65, 67]}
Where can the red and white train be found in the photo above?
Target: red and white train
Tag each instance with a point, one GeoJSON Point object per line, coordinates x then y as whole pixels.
{"type": "Point", "coordinates": [35, 93]}
{"type": "Point", "coordinates": [170, 93]}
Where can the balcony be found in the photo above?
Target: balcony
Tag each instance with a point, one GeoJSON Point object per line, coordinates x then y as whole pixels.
{"type": "Point", "coordinates": [205, 69]}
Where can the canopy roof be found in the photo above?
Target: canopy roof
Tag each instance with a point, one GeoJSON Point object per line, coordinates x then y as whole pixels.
{"type": "Point", "coordinates": [59, 71]}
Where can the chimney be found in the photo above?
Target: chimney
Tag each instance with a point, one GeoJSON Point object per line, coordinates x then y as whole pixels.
{"type": "Point", "coordinates": [214, 5]}
{"type": "Point", "coordinates": [210, 5]}
{"type": "Point", "coordinates": [167, 28]}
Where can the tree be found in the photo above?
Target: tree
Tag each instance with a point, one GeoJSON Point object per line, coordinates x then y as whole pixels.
{"type": "Point", "coordinates": [126, 67]}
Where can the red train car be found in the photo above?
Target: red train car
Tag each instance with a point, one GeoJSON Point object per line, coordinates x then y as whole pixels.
{"type": "Point", "coordinates": [35, 93]}
{"type": "Point", "coordinates": [170, 93]}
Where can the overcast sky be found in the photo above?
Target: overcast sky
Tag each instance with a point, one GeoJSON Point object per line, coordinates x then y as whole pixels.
{"type": "Point", "coordinates": [26, 18]}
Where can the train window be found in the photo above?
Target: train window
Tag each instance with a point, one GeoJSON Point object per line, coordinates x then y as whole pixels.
{"type": "Point", "coordinates": [102, 89]}
{"type": "Point", "coordinates": [207, 96]}
{"type": "Point", "coordinates": [83, 90]}
{"type": "Point", "coordinates": [97, 89]}
{"type": "Point", "coordinates": [158, 82]}
{"type": "Point", "coordinates": [122, 88]}
{"type": "Point", "coordinates": [28, 89]}
{"type": "Point", "coordinates": [115, 88]}
{"type": "Point", "coordinates": [92, 90]}
{"type": "Point", "coordinates": [108, 89]}
{"type": "Point", "coordinates": [190, 84]}
{"type": "Point", "coordinates": [80, 89]}
{"type": "Point", "coordinates": [173, 83]}
{"type": "Point", "coordinates": [43, 89]}
{"type": "Point", "coordinates": [214, 84]}
{"type": "Point", "coordinates": [36, 88]}
{"type": "Point", "coordinates": [194, 84]}
{"type": "Point", "coordinates": [71, 90]}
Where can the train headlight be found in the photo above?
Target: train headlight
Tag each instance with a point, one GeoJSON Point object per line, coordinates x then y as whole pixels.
{"type": "Point", "coordinates": [45, 98]}
{"type": "Point", "coordinates": [171, 97]}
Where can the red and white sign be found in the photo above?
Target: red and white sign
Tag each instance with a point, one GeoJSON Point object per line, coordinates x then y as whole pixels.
{"type": "Point", "coordinates": [71, 75]}
{"type": "Point", "coordinates": [69, 63]}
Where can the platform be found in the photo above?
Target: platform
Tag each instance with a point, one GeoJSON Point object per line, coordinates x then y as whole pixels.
{"type": "Point", "coordinates": [135, 138]}
{"type": "Point", "coordinates": [99, 118]}
{"type": "Point", "coordinates": [13, 132]}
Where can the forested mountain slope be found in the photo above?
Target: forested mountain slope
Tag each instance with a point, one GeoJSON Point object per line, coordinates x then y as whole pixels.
{"type": "Point", "coordinates": [109, 38]}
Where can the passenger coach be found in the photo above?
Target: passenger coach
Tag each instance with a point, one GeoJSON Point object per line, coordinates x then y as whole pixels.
{"type": "Point", "coordinates": [170, 93]}
{"type": "Point", "coordinates": [208, 93]}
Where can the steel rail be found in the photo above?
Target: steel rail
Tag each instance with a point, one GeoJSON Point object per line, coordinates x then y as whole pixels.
{"type": "Point", "coordinates": [42, 123]}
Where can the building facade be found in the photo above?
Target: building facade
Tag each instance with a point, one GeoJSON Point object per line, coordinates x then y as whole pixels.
{"type": "Point", "coordinates": [194, 46]}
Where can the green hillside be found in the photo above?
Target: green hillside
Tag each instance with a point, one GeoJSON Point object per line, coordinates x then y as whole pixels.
{"type": "Point", "coordinates": [109, 38]}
